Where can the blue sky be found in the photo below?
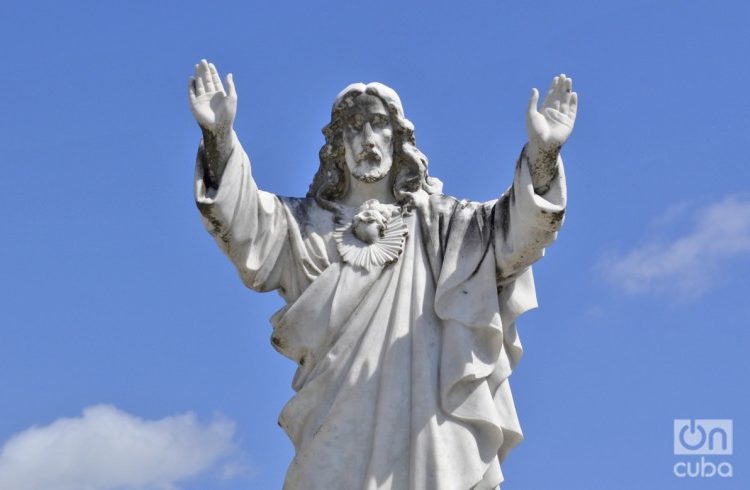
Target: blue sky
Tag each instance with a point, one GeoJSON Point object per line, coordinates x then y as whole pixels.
{"type": "Point", "coordinates": [115, 300]}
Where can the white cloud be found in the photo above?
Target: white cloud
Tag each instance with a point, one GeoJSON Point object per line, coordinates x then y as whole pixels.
{"type": "Point", "coordinates": [688, 265]}
{"type": "Point", "coordinates": [108, 449]}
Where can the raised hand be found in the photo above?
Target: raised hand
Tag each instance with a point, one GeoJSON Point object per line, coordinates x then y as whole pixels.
{"type": "Point", "coordinates": [213, 108]}
{"type": "Point", "coordinates": [551, 126]}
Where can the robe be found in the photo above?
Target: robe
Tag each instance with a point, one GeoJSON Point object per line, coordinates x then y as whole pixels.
{"type": "Point", "coordinates": [402, 379]}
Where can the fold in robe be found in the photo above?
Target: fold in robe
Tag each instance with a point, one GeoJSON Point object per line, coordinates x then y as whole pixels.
{"type": "Point", "coordinates": [403, 369]}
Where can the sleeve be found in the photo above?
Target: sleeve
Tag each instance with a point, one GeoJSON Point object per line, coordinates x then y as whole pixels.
{"type": "Point", "coordinates": [249, 225]}
{"type": "Point", "coordinates": [484, 284]}
{"type": "Point", "coordinates": [526, 222]}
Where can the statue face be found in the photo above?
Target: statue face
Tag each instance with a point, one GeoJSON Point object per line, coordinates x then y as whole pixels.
{"type": "Point", "coordinates": [368, 139]}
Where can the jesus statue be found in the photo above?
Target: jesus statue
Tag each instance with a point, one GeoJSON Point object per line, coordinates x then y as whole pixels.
{"type": "Point", "coordinates": [400, 301]}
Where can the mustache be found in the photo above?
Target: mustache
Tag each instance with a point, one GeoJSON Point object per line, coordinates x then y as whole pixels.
{"type": "Point", "coordinates": [369, 154]}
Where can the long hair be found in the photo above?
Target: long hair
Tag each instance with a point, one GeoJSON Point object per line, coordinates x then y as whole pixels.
{"type": "Point", "coordinates": [409, 171]}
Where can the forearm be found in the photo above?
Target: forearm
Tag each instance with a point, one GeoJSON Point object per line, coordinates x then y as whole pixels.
{"type": "Point", "coordinates": [226, 207]}
{"type": "Point", "coordinates": [249, 225]}
{"type": "Point", "coordinates": [525, 220]}
{"type": "Point", "coordinates": [217, 147]}
{"type": "Point", "coordinates": [543, 166]}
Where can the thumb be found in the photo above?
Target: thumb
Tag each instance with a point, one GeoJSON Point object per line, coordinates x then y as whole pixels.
{"type": "Point", "coordinates": [533, 100]}
{"type": "Point", "coordinates": [231, 90]}
{"type": "Point", "coordinates": [191, 90]}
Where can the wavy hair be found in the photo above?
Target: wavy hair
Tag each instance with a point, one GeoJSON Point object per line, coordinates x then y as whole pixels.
{"type": "Point", "coordinates": [409, 171]}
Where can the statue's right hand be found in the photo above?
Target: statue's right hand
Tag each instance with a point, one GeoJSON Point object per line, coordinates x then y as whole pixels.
{"type": "Point", "coordinates": [213, 108]}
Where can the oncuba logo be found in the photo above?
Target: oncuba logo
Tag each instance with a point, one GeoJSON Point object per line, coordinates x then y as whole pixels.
{"type": "Point", "coordinates": [703, 437]}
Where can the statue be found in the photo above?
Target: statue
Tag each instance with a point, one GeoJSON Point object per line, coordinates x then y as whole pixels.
{"type": "Point", "coordinates": [400, 301]}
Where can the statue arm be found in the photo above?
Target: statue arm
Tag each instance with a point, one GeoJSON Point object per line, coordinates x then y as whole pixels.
{"type": "Point", "coordinates": [215, 153]}
{"type": "Point", "coordinates": [248, 224]}
{"type": "Point", "coordinates": [527, 220]}
{"type": "Point", "coordinates": [529, 215]}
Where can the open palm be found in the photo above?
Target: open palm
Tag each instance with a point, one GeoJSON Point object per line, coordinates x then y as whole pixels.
{"type": "Point", "coordinates": [551, 126]}
{"type": "Point", "coordinates": [213, 108]}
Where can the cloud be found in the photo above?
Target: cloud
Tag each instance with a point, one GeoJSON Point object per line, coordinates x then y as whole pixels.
{"type": "Point", "coordinates": [107, 449]}
{"type": "Point", "coordinates": [689, 265]}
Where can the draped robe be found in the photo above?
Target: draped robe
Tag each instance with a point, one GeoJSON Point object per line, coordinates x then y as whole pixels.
{"type": "Point", "coordinates": [403, 369]}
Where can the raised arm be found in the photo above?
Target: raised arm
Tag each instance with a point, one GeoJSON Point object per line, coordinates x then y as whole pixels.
{"type": "Point", "coordinates": [529, 215]}
{"type": "Point", "coordinates": [249, 225]}
{"type": "Point", "coordinates": [214, 110]}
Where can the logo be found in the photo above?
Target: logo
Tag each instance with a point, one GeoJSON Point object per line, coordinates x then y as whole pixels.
{"type": "Point", "coordinates": [698, 438]}
{"type": "Point", "coordinates": [703, 436]}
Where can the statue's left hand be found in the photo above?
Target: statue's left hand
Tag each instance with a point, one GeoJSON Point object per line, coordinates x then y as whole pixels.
{"type": "Point", "coordinates": [551, 126]}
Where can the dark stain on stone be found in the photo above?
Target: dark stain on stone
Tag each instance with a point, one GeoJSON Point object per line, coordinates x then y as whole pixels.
{"type": "Point", "coordinates": [554, 218]}
{"type": "Point", "coordinates": [502, 215]}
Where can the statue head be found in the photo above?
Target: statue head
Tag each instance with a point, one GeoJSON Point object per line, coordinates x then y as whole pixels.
{"type": "Point", "coordinates": [369, 139]}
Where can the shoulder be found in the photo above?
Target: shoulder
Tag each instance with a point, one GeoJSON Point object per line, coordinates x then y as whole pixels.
{"type": "Point", "coordinates": [308, 215]}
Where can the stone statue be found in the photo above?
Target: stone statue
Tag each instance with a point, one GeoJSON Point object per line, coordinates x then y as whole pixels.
{"type": "Point", "coordinates": [400, 301]}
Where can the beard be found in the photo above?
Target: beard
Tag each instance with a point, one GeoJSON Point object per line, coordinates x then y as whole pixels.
{"type": "Point", "coordinates": [370, 167]}
{"type": "Point", "coordinates": [370, 175]}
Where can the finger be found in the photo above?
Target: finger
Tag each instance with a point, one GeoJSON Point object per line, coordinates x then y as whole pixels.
{"type": "Point", "coordinates": [533, 100]}
{"type": "Point", "coordinates": [208, 82]}
{"type": "Point", "coordinates": [231, 90]}
{"type": "Point", "coordinates": [573, 109]}
{"type": "Point", "coordinates": [551, 92]}
{"type": "Point", "coordinates": [562, 80]}
{"type": "Point", "coordinates": [566, 85]}
{"type": "Point", "coordinates": [199, 69]}
{"type": "Point", "coordinates": [199, 88]}
{"type": "Point", "coordinates": [553, 85]}
{"type": "Point", "coordinates": [565, 102]}
{"type": "Point", "coordinates": [191, 89]}
{"type": "Point", "coordinates": [215, 78]}
{"type": "Point", "coordinates": [554, 99]}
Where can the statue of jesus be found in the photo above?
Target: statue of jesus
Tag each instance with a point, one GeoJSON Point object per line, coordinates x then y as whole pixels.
{"type": "Point", "coordinates": [400, 301]}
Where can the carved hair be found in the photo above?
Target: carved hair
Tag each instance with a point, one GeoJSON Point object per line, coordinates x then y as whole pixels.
{"type": "Point", "coordinates": [409, 171]}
